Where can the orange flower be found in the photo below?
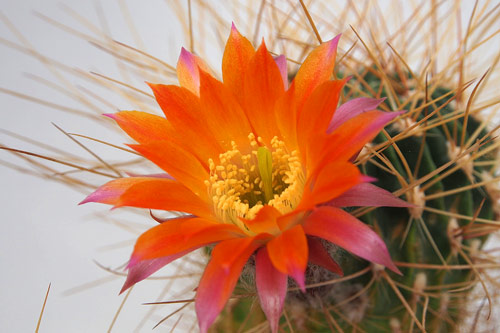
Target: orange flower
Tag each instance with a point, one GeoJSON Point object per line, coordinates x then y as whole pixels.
{"type": "Point", "coordinates": [260, 168]}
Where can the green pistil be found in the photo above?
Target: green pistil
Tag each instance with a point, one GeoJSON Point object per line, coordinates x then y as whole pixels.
{"type": "Point", "coordinates": [265, 160]}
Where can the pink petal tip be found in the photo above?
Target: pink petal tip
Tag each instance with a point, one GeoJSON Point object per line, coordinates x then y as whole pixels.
{"type": "Point", "coordinates": [333, 43]}
{"type": "Point", "coordinates": [96, 196]}
{"type": "Point", "coordinates": [351, 109]}
{"type": "Point", "coordinates": [366, 194]}
{"type": "Point", "coordinates": [110, 115]}
{"type": "Point", "coordinates": [233, 28]}
{"type": "Point", "coordinates": [187, 59]}
{"type": "Point", "coordinates": [271, 287]}
{"type": "Point", "coordinates": [299, 277]}
{"type": "Point", "coordinates": [282, 66]}
{"type": "Point", "coordinates": [139, 270]}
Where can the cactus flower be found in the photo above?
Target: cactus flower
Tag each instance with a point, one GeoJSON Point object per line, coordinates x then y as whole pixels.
{"type": "Point", "coordinates": [260, 167]}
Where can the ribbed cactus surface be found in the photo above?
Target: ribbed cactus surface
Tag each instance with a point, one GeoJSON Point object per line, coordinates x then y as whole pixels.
{"type": "Point", "coordinates": [442, 145]}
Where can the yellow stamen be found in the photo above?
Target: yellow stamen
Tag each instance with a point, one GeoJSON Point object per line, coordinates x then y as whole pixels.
{"type": "Point", "coordinates": [242, 183]}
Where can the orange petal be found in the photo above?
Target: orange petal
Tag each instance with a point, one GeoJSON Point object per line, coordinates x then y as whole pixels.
{"type": "Point", "coordinates": [316, 69]}
{"type": "Point", "coordinates": [347, 140]}
{"type": "Point", "coordinates": [237, 54]}
{"type": "Point", "coordinates": [177, 162]}
{"type": "Point", "coordinates": [221, 275]}
{"type": "Point", "coordinates": [141, 126]}
{"type": "Point", "coordinates": [286, 117]}
{"type": "Point", "coordinates": [265, 221]}
{"type": "Point", "coordinates": [183, 110]}
{"type": "Point", "coordinates": [165, 195]}
{"type": "Point", "coordinates": [180, 106]}
{"type": "Point", "coordinates": [289, 252]}
{"type": "Point", "coordinates": [111, 192]}
{"type": "Point", "coordinates": [350, 137]}
{"type": "Point", "coordinates": [262, 87]}
{"type": "Point", "coordinates": [178, 235]}
{"type": "Point", "coordinates": [145, 128]}
{"type": "Point", "coordinates": [331, 181]}
{"type": "Point", "coordinates": [153, 193]}
{"type": "Point", "coordinates": [291, 219]}
{"type": "Point", "coordinates": [318, 112]}
{"type": "Point", "coordinates": [224, 116]}
{"type": "Point", "coordinates": [188, 71]}
{"type": "Point", "coordinates": [320, 106]}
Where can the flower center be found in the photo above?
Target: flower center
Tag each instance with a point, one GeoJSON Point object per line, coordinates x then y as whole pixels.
{"type": "Point", "coordinates": [241, 184]}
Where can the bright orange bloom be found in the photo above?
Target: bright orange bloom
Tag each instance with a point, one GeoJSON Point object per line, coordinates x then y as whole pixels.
{"type": "Point", "coordinates": [259, 167]}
